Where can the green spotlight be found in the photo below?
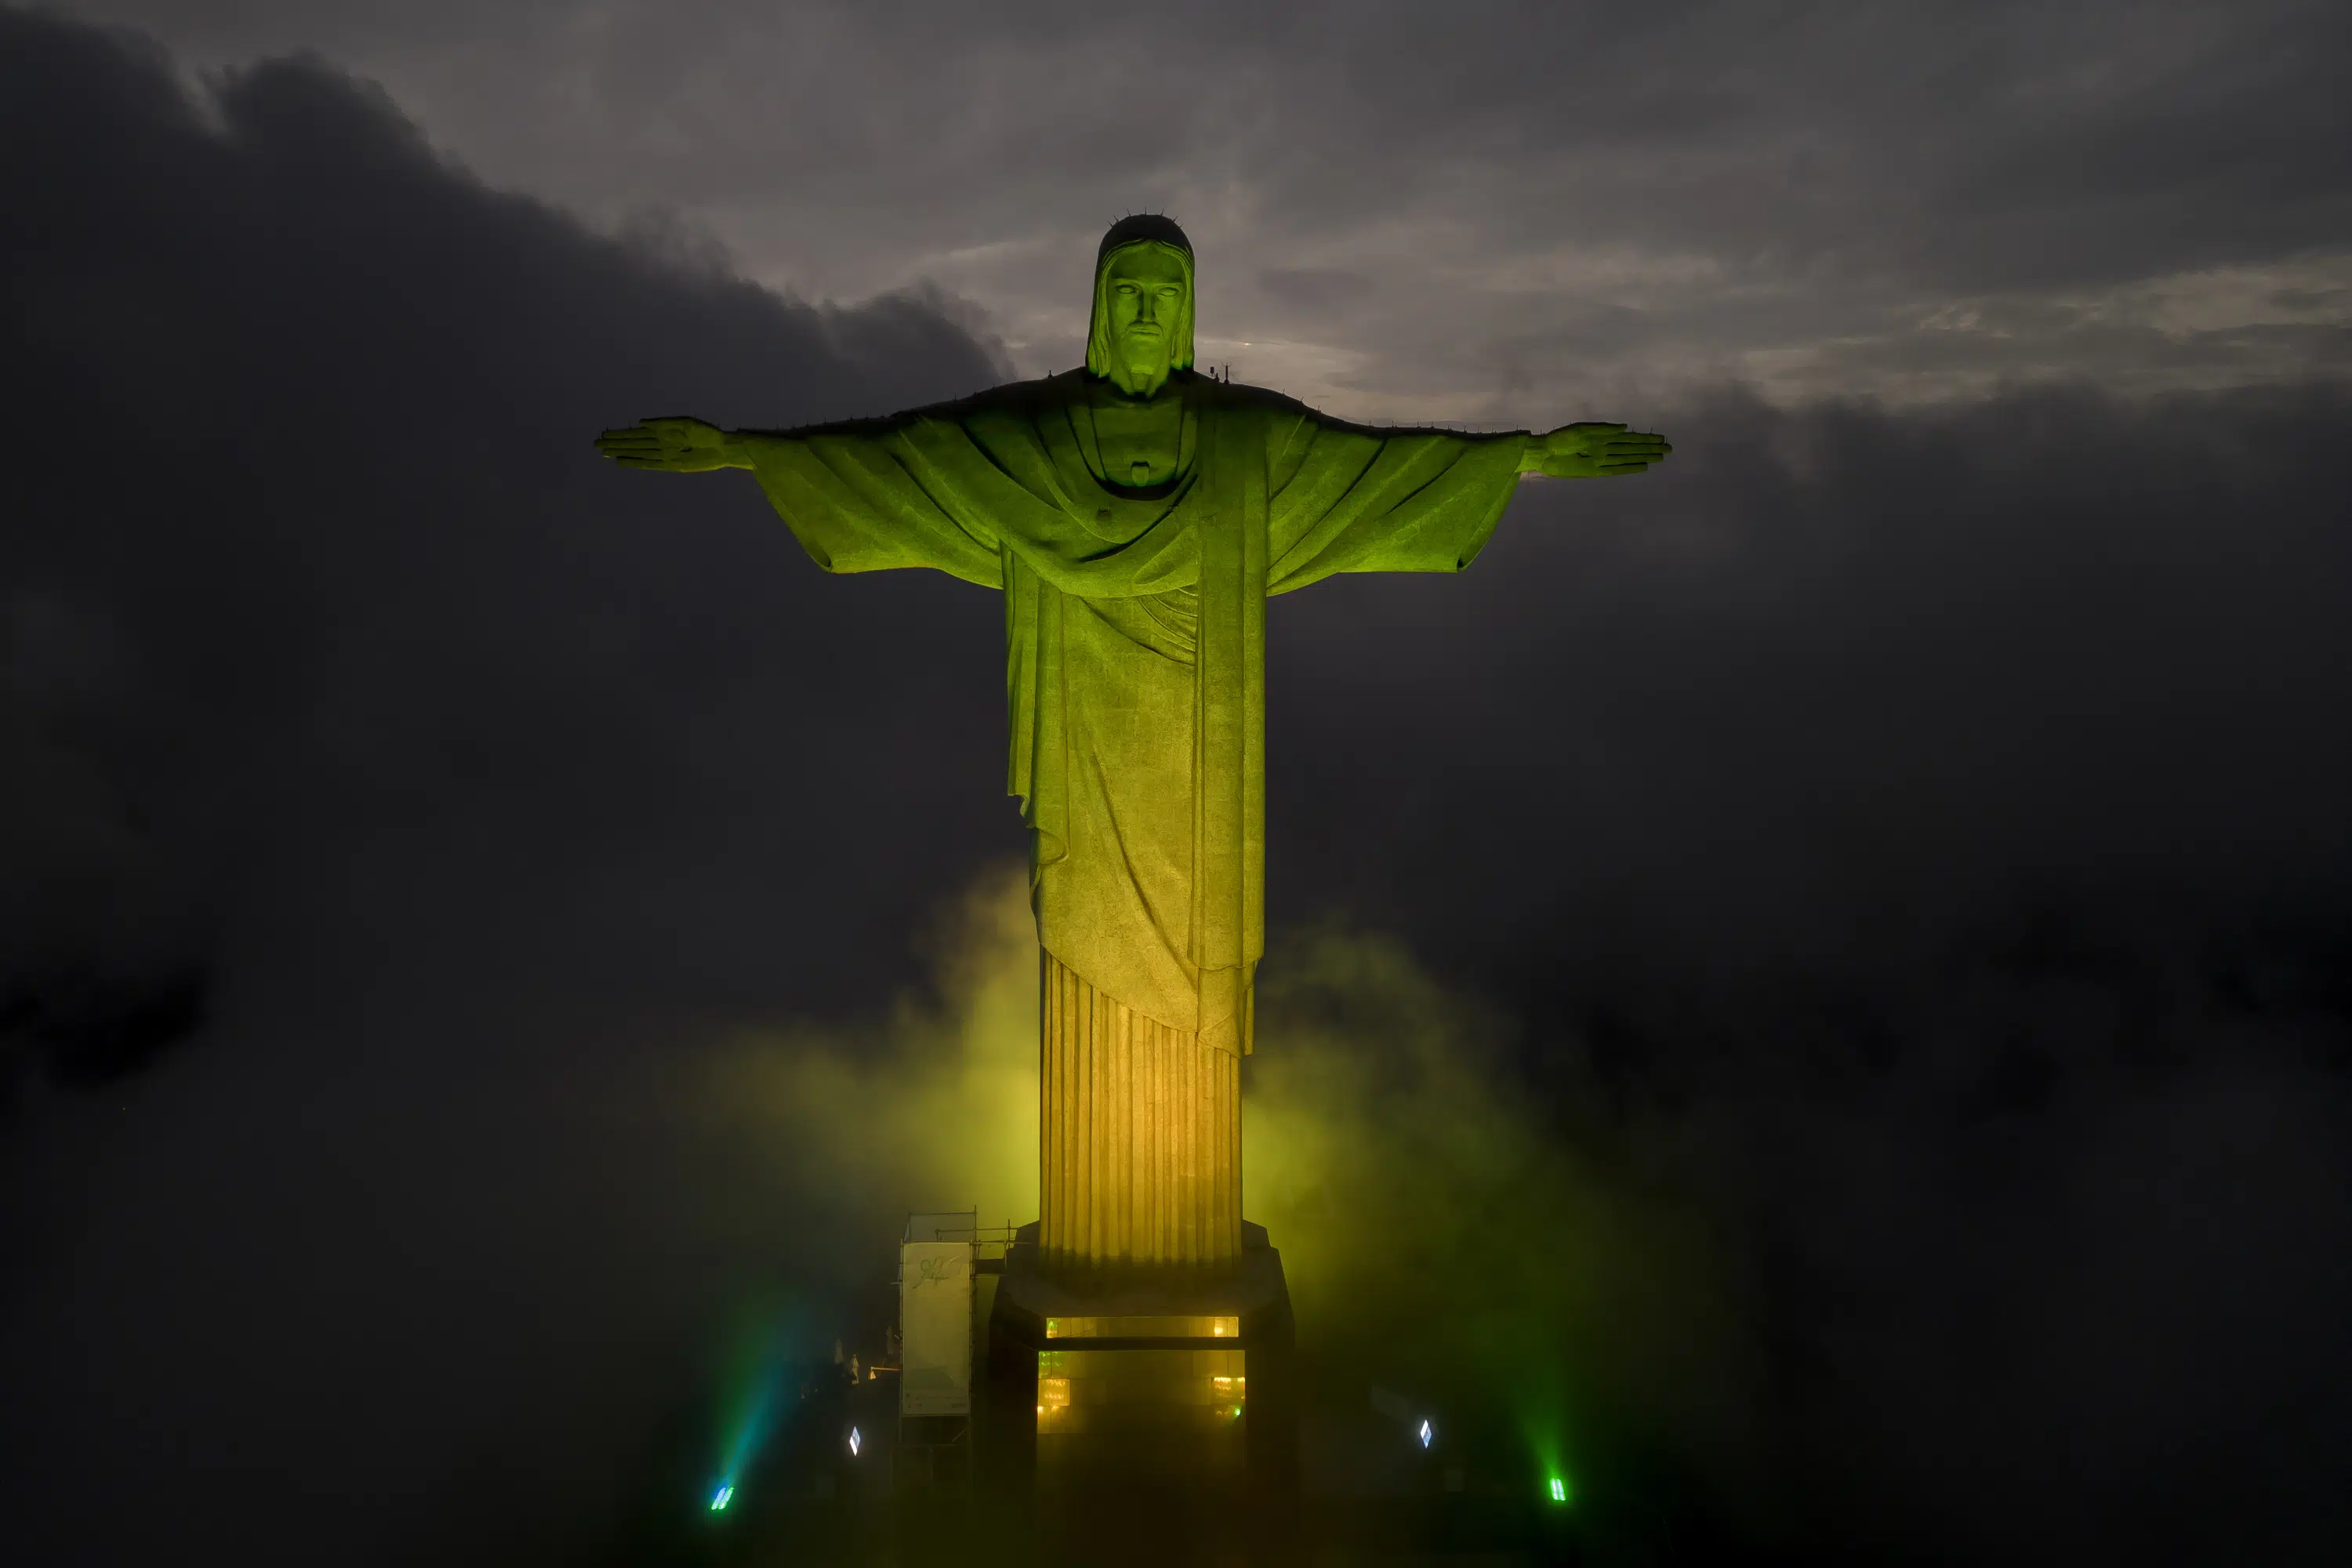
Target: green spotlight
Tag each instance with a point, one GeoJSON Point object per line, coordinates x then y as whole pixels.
{"type": "Point", "coordinates": [726, 1494]}
{"type": "Point", "coordinates": [1559, 1489]}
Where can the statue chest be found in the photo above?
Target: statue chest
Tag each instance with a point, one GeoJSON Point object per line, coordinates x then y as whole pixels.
{"type": "Point", "coordinates": [1141, 445]}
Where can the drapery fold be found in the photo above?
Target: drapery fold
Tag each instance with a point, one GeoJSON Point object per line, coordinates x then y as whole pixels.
{"type": "Point", "coordinates": [1135, 634]}
{"type": "Point", "coordinates": [1140, 1141]}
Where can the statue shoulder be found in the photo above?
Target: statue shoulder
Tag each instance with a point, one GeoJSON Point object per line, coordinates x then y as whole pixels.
{"type": "Point", "coordinates": [1017, 402]}
{"type": "Point", "coordinates": [1017, 398]}
{"type": "Point", "coordinates": [1241, 394]}
{"type": "Point", "coordinates": [1010, 394]}
{"type": "Point", "coordinates": [1279, 417]}
{"type": "Point", "coordinates": [1057, 391]}
{"type": "Point", "coordinates": [1239, 397]}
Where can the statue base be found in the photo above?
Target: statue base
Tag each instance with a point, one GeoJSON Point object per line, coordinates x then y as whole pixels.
{"type": "Point", "coordinates": [1136, 1416]}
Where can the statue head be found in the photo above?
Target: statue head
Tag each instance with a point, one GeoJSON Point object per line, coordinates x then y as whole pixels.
{"type": "Point", "coordinates": [1142, 326]}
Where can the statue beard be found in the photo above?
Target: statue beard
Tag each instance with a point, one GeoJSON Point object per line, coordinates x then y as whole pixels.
{"type": "Point", "coordinates": [1146, 379]}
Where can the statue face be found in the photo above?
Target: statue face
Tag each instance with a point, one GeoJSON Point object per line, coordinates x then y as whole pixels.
{"type": "Point", "coordinates": [1145, 289]}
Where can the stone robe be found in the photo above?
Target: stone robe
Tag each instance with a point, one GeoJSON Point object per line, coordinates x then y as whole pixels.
{"type": "Point", "coordinates": [1135, 656]}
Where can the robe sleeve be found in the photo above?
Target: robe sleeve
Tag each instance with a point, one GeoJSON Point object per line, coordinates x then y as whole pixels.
{"type": "Point", "coordinates": [871, 495]}
{"type": "Point", "coordinates": [1353, 498]}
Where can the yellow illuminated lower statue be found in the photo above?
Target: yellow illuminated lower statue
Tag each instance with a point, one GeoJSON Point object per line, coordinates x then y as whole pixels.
{"type": "Point", "coordinates": [1136, 516]}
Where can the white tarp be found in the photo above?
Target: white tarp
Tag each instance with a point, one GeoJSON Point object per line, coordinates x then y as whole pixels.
{"type": "Point", "coordinates": [935, 1328]}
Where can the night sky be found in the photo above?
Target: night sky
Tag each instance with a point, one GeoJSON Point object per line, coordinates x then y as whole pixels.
{"type": "Point", "coordinates": [1889, 873]}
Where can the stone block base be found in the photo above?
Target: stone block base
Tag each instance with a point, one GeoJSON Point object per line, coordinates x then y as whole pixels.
{"type": "Point", "coordinates": [1141, 1418]}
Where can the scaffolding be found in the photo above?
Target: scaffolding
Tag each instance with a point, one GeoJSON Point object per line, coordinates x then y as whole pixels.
{"type": "Point", "coordinates": [948, 1267]}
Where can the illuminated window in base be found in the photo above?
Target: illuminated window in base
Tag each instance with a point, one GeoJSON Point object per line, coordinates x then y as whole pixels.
{"type": "Point", "coordinates": [1166, 1408]}
{"type": "Point", "coordinates": [1142, 1327]}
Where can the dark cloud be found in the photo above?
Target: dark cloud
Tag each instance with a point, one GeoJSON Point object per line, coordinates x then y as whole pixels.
{"type": "Point", "coordinates": [376, 756]}
{"type": "Point", "coordinates": [1924, 835]}
{"type": "Point", "coordinates": [2048, 639]}
{"type": "Point", "coordinates": [316, 536]}
{"type": "Point", "coordinates": [1905, 850]}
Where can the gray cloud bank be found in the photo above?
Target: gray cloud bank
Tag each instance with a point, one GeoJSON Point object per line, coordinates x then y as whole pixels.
{"type": "Point", "coordinates": [1509, 212]}
{"type": "Point", "coordinates": [1908, 850]}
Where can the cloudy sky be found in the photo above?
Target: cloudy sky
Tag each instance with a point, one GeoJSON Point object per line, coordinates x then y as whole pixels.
{"type": "Point", "coordinates": [1475, 212]}
{"type": "Point", "coordinates": [478, 929]}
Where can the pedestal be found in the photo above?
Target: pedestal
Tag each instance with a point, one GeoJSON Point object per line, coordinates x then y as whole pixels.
{"type": "Point", "coordinates": [1137, 1416]}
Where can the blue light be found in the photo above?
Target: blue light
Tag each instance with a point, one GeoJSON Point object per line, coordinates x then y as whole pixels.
{"type": "Point", "coordinates": [1427, 1437]}
{"type": "Point", "coordinates": [853, 1442]}
{"type": "Point", "coordinates": [751, 1409]}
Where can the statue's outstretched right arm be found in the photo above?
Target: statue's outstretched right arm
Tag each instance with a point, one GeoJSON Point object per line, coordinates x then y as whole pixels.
{"type": "Point", "coordinates": [679, 444]}
{"type": "Point", "coordinates": [844, 489]}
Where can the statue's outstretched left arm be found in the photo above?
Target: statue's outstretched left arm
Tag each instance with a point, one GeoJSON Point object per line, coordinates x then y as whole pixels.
{"type": "Point", "coordinates": [1591, 450]}
{"type": "Point", "coordinates": [1356, 497]}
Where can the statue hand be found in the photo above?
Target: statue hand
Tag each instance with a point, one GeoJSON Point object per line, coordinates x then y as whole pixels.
{"type": "Point", "coordinates": [678, 444]}
{"type": "Point", "coordinates": [1592, 450]}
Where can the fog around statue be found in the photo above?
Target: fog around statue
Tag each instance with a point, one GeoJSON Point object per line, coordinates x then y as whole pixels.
{"type": "Point", "coordinates": [1136, 515]}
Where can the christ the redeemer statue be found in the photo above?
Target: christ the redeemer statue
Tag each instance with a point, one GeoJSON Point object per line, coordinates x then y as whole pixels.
{"type": "Point", "coordinates": [1136, 516]}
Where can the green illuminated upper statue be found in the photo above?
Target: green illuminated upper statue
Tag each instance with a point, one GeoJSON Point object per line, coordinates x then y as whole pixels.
{"type": "Point", "coordinates": [1136, 516]}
